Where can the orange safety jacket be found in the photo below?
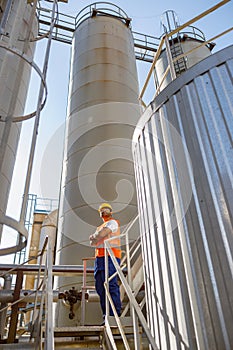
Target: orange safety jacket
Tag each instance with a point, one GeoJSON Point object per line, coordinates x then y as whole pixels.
{"type": "Point", "coordinates": [115, 243]}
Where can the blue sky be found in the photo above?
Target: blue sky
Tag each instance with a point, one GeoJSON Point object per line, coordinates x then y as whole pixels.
{"type": "Point", "coordinates": [145, 16]}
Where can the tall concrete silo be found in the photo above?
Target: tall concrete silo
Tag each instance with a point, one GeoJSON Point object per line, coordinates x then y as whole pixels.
{"type": "Point", "coordinates": [17, 28]}
{"type": "Point", "coordinates": [102, 113]}
{"type": "Point", "coordinates": [184, 163]}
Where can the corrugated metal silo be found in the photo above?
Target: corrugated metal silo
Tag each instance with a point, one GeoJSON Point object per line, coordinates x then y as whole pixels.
{"type": "Point", "coordinates": [103, 111]}
{"type": "Point", "coordinates": [183, 164]}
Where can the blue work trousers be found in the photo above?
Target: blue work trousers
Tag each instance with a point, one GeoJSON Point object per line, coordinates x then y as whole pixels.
{"type": "Point", "coordinates": [113, 285]}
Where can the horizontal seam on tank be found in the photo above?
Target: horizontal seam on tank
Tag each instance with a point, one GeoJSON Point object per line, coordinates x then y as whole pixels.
{"type": "Point", "coordinates": [99, 172]}
{"type": "Point", "coordinates": [103, 99]}
{"type": "Point", "coordinates": [101, 125]}
{"type": "Point", "coordinates": [103, 46]}
{"type": "Point", "coordinates": [102, 172]}
{"type": "Point", "coordinates": [104, 64]}
{"type": "Point", "coordinates": [101, 145]}
{"type": "Point", "coordinates": [104, 121]}
{"type": "Point", "coordinates": [110, 121]}
{"type": "Point", "coordinates": [98, 80]}
{"type": "Point", "coordinates": [83, 206]}
{"type": "Point", "coordinates": [111, 80]}
{"type": "Point", "coordinates": [78, 109]}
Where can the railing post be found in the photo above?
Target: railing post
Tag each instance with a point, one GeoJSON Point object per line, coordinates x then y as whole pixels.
{"type": "Point", "coordinates": [136, 329]}
{"type": "Point", "coordinates": [130, 282]}
{"type": "Point", "coordinates": [107, 282]}
{"type": "Point", "coordinates": [128, 259]}
{"type": "Point", "coordinates": [83, 308]}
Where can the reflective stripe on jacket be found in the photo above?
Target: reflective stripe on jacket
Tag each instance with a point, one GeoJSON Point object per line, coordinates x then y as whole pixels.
{"type": "Point", "coordinates": [115, 243]}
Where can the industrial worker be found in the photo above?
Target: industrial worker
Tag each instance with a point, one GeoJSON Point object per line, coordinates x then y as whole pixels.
{"type": "Point", "coordinates": [109, 228]}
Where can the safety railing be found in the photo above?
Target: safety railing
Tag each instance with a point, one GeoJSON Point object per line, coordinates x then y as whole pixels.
{"type": "Point", "coordinates": [171, 60]}
{"type": "Point", "coordinates": [135, 309]}
{"type": "Point", "coordinates": [46, 303]}
{"type": "Point", "coordinates": [42, 301]}
{"type": "Point", "coordinates": [145, 45]}
{"type": "Point", "coordinates": [85, 287]}
{"type": "Point", "coordinates": [104, 8]}
{"type": "Point", "coordinates": [63, 28]}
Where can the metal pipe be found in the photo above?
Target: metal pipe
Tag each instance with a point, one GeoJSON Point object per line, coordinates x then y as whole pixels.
{"type": "Point", "coordinates": [37, 118]}
{"type": "Point", "coordinates": [27, 296]}
{"type": "Point", "coordinates": [64, 270]}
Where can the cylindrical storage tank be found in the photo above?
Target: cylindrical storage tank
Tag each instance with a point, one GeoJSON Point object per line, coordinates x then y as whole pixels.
{"type": "Point", "coordinates": [16, 28]}
{"type": "Point", "coordinates": [102, 114]}
{"type": "Point", "coordinates": [184, 41]}
{"type": "Point", "coordinates": [183, 164]}
{"type": "Point", "coordinates": [49, 229]}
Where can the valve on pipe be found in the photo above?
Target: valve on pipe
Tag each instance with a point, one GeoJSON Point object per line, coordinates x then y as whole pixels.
{"type": "Point", "coordinates": [71, 297]}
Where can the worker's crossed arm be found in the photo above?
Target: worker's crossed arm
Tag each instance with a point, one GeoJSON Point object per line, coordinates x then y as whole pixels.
{"type": "Point", "coordinates": [99, 235]}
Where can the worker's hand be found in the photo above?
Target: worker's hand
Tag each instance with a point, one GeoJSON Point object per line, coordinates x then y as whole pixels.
{"type": "Point", "coordinates": [93, 239]}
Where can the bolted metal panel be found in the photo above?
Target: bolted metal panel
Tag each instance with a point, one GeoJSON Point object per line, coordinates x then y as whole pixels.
{"type": "Point", "coordinates": [183, 164]}
{"type": "Point", "coordinates": [102, 114]}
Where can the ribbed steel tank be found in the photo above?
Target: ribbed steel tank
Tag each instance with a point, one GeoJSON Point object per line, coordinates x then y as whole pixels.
{"type": "Point", "coordinates": [183, 163]}
{"type": "Point", "coordinates": [103, 111]}
{"type": "Point", "coordinates": [14, 81]}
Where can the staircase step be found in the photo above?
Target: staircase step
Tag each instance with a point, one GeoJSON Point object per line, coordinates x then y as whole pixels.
{"type": "Point", "coordinates": [78, 331]}
{"type": "Point", "coordinates": [126, 322]}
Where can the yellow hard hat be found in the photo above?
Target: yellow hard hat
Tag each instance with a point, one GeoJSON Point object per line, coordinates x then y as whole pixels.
{"type": "Point", "coordinates": [105, 205]}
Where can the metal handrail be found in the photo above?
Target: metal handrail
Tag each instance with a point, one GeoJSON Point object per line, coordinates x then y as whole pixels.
{"type": "Point", "coordinates": [107, 7]}
{"type": "Point", "coordinates": [15, 268]}
{"type": "Point", "coordinates": [47, 295]}
{"type": "Point", "coordinates": [171, 61]}
{"type": "Point", "coordinates": [46, 285]}
{"type": "Point", "coordinates": [85, 287]}
{"type": "Point", "coordinates": [134, 305]}
{"type": "Point", "coordinates": [136, 312]}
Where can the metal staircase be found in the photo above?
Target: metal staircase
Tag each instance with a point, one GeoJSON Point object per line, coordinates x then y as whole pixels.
{"type": "Point", "coordinates": [129, 331]}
